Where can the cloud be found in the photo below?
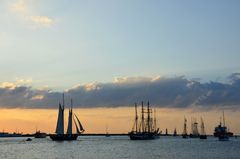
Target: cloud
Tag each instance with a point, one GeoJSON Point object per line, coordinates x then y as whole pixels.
{"type": "Point", "coordinates": [42, 20]}
{"type": "Point", "coordinates": [37, 97]}
{"type": "Point", "coordinates": [19, 6]}
{"type": "Point", "coordinates": [177, 92]}
{"type": "Point", "coordinates": [23, 9]}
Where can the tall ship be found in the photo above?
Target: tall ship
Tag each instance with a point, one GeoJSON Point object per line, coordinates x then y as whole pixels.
{"type": "Point", "coordinates": [202, 132]}
{"type": "Point", "coordinates": [221, 131]}
{"type": "Point", "coordinates": [175, 132]}
{"type": "Point", "coordinates": [146, 127]}
{"type": "Point", "coordinates": [194, 128]}
{"type": "Point", "coordinates": [185, 134]}
{"type": "Point", "coordinates": [60, 135]}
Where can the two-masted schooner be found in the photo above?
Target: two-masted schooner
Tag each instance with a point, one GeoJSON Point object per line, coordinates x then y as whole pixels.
{"type": "Point", "coordinates": [60, 136]}
{"type": "Point", "coordinates": [146, 128]}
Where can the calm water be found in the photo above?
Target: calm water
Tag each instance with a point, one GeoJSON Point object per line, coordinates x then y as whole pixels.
{"type": "Point", "coordinates": [119, 148]}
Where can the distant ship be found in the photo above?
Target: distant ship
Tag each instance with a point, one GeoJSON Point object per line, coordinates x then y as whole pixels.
{"type": "Point", "coordinates": [6, 134]}
{"type": "Point", "coordinates": [107, 134]}
{"type": "Point", "coordinates": [221, 131]}
{"type": "Point", "coordinates": [175, 132]}
{"type": "Point", "coordinates": [60, 136]}
{"type": "Point", "coordinates": [194, 126]}
{"type": "Point", "coordinates": [146, 128]}
{"type": "Point", "coordinates": [40, 134]}
{"type": "Point", "coordinates": [185, 134]}
{"type": "Point", "coordinates": [202, 133]}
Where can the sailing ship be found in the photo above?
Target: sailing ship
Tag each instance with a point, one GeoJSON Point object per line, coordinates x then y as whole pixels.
{"type": "Point", "coordinates": [60, 136]}
{"type": "Point", "coordinates": [107, 134]}
{"type": "Point", "coordinates": [184, 134]}
{"type": "Point", "coordinates": [202, 133]}
{"type": "Point", "coordinates": [175, 132]}
{"type": "Point", "coordinates": [221, 131]}
{"type": "Point", "coordinates": [194, 126]}
{"type": "Point", "coordinates": [146, 128]}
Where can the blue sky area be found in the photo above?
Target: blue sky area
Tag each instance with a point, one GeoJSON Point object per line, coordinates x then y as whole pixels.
{"type": "Point", "coordinates": [61, 43]}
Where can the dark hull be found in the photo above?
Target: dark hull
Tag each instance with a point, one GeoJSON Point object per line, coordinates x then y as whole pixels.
{"type": "Point", "coordinates": [203, 136]}
{"type": "Point", "coordinates": [147, 136]}
{"type": "Point", "coordinates": [40, 135]}
{"type": "Point", "coordinates": [193, 136]}
{"type": "Point", "coordinates": [184, 136]}
{"type": "Point", "coordinates": [223, 137]}
{"type": "Point", "coordinates": [64, 137]}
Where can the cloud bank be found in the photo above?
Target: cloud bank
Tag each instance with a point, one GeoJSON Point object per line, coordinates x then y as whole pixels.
{"type": "Point", "coordinates": [176, 92]}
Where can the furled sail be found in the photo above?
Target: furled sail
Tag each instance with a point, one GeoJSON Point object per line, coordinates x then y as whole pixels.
{"type": "Point", "coordinates": [60, 121]}
{"type": "Point", "coordinates": [79, 123]}
{"type": "Point", "coordinates": [202, 127]}
{"type": "Point", "coordinates": [185, 126]}
{"type": "Point", "coordinates": [69, 130]}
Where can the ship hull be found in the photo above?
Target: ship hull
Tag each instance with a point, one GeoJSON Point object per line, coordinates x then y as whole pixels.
{"type": "Point", "coordinates": [40, 135]}
{"type": "Point", "coordinates": [64, 137]}
{"type": "Point", "coordinates": [147, 136]}
{"type": "Point", "coordinates": [184, 136]}
{"type": "Point", "coordinates": [193, 136]}
{"type": "Point", "coordinates": [223, 137]}
{"type": "Point", "coordinates": [203, 137]}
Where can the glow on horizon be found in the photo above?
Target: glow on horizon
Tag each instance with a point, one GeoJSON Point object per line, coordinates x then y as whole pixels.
{"type": "Point", "coordinates": [117, 120]}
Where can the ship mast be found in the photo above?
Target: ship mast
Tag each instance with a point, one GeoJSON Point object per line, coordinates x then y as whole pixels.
{"type": "Point", "coordinates": [142, 118]}
{"type": "Point", "coordinates": [136, 117]}
{"type": "Point", "coordinates": [202, 127]}
{"type": "Point", "coordinates": [155, 120]}
{"type": "Point", "coordinates": [223, 119]}
{"type": "Point", "coordinates": [148, 117]}
{"type": "Point", "coordinates": [63, 100]}
{"type": "Point", "coordinates": [185, 126]}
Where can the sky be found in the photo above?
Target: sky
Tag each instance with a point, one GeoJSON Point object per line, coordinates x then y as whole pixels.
{"type": "Point", "coordinates": [59, 44]}
{"type": "Point", "coordinates": [114, 120]}
{"type": "Point", "coordinates": [110, 54]}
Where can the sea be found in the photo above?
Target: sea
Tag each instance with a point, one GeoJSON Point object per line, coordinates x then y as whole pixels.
{"type": "Point", "coordinates": [119, 147]}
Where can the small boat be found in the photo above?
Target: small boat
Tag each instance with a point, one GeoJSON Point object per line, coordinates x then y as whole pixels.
{"type": "Point", "coordinates": [60, 136]}
{"type": "Point", "coordinates": [184, 134]}
{"type": "Point", "coordinates": [28, 139]}
{"type": "Point", "coordinates": [145, 129]}
{"type": "Point", "coordinates": [203, 133]}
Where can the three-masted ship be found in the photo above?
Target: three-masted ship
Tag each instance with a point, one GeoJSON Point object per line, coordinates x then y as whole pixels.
{"type": "Point", "coordinates": [60, 135]}
{"type": "Point", "coordinates": [146, 127]}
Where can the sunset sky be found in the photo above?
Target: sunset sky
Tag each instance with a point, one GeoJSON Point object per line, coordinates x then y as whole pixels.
{"type": "Point", "coordinates": [109, 54]}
